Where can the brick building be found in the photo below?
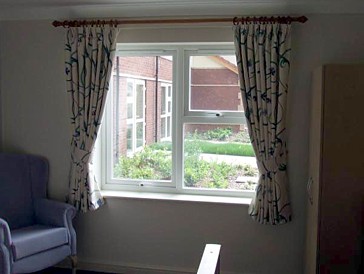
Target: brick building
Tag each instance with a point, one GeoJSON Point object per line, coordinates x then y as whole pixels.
{"type": "Point", "coordinates": [142, 92]}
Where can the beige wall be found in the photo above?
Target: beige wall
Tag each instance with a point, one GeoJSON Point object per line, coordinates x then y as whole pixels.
{"type": "Point", "coordinates": [166, 234]}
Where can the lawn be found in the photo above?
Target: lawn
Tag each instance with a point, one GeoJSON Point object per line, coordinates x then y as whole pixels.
{"type": "Point", "coordinates": [227, 148]}
{"type": "Point", "coordinates": [224, 148]}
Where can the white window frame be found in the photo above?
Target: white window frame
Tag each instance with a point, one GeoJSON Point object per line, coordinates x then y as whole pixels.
{"type": "Point", "coordinates": [134, 120]}
{"type": "Point", "coordinates": [181, 115]}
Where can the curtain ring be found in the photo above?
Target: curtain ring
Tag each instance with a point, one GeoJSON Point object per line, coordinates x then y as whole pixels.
{"type": "Point", "coordinates": [236, 21]}
{"type": "Point", "coordinates": [111, 23]}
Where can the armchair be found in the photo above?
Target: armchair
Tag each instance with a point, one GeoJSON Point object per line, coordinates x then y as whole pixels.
{"type": "Point", "coordinates": [35, 233]}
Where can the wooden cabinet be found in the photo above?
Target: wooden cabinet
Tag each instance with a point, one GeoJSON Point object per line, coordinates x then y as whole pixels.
{"type": "Point", "coordinates": [336, 171]}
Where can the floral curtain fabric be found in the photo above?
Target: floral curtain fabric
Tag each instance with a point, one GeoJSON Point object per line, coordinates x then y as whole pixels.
{"type": "Point", "coordinates": [89, 56]}
{"type": "Point", "coordinates": [263, 59]}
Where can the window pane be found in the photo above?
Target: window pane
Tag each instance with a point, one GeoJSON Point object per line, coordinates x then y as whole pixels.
{"type": "Point", "coordinates": [163, 99]}
{"type": "Point", "coordinates": [129, 137]}
{"type": "Point", "coordinates": [169, 126]}
{"type": "Point", "coordinates": [129, 90]}
{"type": "Point", "coordinates": [138, 150]}
{"type": "Point", "coordinates": [140, 101]}
{"type": "Point", "coordinates": [163, 127]}
{"type": "Point", "coordinates": [169, 91]}
{"type": "Point", "coordinates": [139, 134]}
{"type": "Point", "coordinates": [214, 83]}
{"type": "Point", "coordinates": [130, 111]}
{"type": "Point", "coordinates": [219, 157]}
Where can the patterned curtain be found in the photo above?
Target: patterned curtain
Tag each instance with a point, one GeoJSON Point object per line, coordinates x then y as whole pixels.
{"type": "Point", "coordinates": [263, 59]}
{"type": "Point", "coordinates": [89, 55]}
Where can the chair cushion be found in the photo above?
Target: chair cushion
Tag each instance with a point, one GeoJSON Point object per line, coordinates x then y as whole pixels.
{"type": "Point", "coordinates": [34, 239]}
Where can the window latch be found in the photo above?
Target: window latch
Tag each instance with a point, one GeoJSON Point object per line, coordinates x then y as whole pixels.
{"type": "Point", "coordinates": [217, 114]}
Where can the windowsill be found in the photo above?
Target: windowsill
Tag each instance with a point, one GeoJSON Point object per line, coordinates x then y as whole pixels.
{"type": "Point", "coordinates": [176, 197]}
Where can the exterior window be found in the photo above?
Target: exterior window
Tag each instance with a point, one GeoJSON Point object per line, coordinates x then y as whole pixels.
{"type": "Point", "coordinates": [175, 122]}
{"type": "Point", "coordinates": [166, 111]}
{"type": "Point", "coordinates": [135, 115]}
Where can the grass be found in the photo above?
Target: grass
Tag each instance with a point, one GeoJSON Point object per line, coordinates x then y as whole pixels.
{"type": "Point", "coordinates": [237, 149]}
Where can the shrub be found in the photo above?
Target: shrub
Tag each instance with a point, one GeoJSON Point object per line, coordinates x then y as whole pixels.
{"type": "Point", "coordinates": [249, 170]}
{"type": "Point", "coordinates": [155, 162]}
{"type": "Point", "coordinates": [195, 171]}
{"type": "Point", "coordinates": [215, 175]}
{"type": "Point", "coordinates": [220, 134]}
{"type": "Point", "coordinates": [220, 173]}
{"type": "Point", "coordinates": [165, 145]}
{"type": "Point", "coordinates": [146, 164]}
{"type": "Point", "coordinates": [242, 137]}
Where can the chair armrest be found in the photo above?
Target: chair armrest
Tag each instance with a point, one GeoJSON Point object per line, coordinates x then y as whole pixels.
{"type": "Point", "coordinates": [5, 243]}
{"type": "Point", "coordinates": [5, 236]}
{"type": "Point", "coordinates": [48, 212]}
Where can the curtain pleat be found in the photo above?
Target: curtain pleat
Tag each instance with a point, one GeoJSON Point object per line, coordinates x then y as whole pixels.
{"type": "Point", "coordinates": [263, 54]}
{"type": "Point", "coordinates": [89, 56]}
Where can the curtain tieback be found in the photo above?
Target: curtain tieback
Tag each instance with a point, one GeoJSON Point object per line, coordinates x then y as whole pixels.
{"type": "Point", "coordinates": [267, 165]}
{"type": "Point", "coordinates": [271, 166]}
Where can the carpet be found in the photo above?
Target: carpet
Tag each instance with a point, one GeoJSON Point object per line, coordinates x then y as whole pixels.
{"type": "Point", "coordinates": [56, 270]}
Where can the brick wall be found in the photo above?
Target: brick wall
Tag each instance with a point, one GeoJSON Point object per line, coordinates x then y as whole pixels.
{"type": "Point", "coordinates": [146, 67]}
{"type": "Point", "coordinates": [223, 96]}
{"type": "Point", "coordinates": [213, 76]}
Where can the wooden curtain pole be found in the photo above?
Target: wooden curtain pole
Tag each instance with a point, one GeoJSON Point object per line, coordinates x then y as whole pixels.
{"type": "Point", "coordinates": [235, 21]}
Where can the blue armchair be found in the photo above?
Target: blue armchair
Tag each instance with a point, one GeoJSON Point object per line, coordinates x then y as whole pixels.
{"type": "Point", "coordinates": [35, 233]}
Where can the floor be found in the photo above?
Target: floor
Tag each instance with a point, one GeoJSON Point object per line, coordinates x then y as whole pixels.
{"type": "Point", "coordinates": [54, 270]}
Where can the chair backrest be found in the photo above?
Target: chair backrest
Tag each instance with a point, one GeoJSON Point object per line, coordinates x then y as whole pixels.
{"type": "Point", "coordinates": [22, 179]}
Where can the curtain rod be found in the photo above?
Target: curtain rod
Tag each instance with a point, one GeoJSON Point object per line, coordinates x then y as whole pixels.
{"type": "Point", "coordinates": [235, 21]}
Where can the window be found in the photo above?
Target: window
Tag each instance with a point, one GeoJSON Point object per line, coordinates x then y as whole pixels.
{"type": "Point", "coordinates": [175, 123]}
{"type": "Point", "coordinates": [166, 111]}
{"type": "Point", "coordinates": [135, 122]}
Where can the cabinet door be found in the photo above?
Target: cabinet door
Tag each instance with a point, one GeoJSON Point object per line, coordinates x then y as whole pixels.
{"type": "Point", "coordinates": [342, 169]}
{"type": "Point", "coordinates": [313, 186]}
